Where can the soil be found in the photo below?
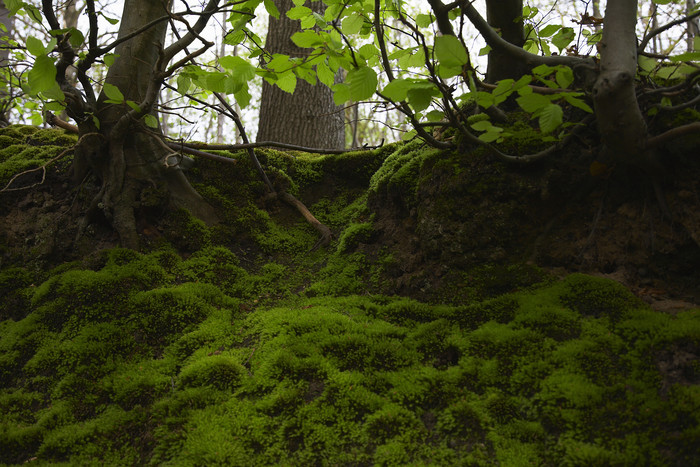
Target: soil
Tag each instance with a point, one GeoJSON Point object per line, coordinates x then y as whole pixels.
{"type": "Point", "coordinates": [562, 216]}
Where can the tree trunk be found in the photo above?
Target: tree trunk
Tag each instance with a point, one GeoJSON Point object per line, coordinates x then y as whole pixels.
{"type": "Point", "coordinates": [308, 117]}
{"type": "Point", "coordinates": [128, 158]}
{"type": "Point", "coordinates": [620, 121]}
{"type": "Point", "coordinates": [505, 16]}
{"type": "Point", "coordinates": [5, 98]}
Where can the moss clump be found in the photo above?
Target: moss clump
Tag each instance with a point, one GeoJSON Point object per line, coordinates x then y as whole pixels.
{"type": "Point", "coordinates": [219, 371]}
{"type": "Point", "coordinates": [598, 297]}
{"type": "Point", "coordinates": [353, 235]}
{"type": "Point", "coordinates": [25, 147]}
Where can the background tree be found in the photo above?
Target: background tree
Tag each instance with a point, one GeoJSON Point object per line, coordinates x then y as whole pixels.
{"type": "Point", "coordinates": [306, 116]}
{"type": "Point", "coordinates": [6, 32]}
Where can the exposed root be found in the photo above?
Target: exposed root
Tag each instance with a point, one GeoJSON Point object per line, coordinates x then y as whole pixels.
{"type": "Point", "coordinates": [326, 234]}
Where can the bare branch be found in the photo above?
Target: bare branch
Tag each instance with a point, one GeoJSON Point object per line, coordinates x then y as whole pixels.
{"type": "Point", "coordinates": [497, 42]}
{"type": "Point", "coordinates": [673, 133]}
{"type": "Point", "coordinates": [660, 29]}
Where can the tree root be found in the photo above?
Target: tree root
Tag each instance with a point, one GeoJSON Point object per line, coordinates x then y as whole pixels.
{"type": "Point", "coordinates": [326, 234]}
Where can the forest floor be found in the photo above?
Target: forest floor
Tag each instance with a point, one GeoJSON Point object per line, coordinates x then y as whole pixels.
{"type": "Point", "coordinates": [448, 322]}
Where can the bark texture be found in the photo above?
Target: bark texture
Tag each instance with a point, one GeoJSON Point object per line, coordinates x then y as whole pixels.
{"type": "Point", "coordinates": [308, 117]}
{"type": "Point", "coordinates": [128, 158]}
{"type": "Point", "coordinates": [620, 121]}
{"type": "Point", "coordinates": [505, 16]}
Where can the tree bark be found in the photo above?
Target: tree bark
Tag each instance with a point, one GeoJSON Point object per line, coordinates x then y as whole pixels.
{"type": "Point", "coordinates": [130, 158]}
{"type": "Point", "coordinates": [5, 64]}
{"type": "Point", "coordinates": [505, 16]}
{"type": "Point", "coordinates": [308, 117]}
{"type": "Point", "coordinates": [620, 121]}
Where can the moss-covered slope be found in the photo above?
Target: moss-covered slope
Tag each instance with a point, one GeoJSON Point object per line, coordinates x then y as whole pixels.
{"type": "Point", "coordinates": [150, 359]}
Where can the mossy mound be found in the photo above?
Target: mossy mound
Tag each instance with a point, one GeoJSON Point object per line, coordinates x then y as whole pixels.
{"type": "Point", "coordinates": [151, 360]}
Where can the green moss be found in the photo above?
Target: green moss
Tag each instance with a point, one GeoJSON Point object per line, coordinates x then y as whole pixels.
{"type": "Point", "coordinates": [598, 297]}
{"type": "Point", "coordinates": [149, 359]}
{"type": "Point", "coordinates": [186, 232]}
{"type": "Point", "coordinates": [219, 371]}
{"type": "Point", "coordinates": [25, 147]}
{"type": "Point", "coordinates": [353, 235]}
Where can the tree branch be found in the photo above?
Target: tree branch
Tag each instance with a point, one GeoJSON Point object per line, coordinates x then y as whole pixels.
{"type": "Point", "coordinates": [497, 42]}
{"type": "Point", "coordinates": [673, 133]}
{"type": "Point", "coordinates": [660, 29]}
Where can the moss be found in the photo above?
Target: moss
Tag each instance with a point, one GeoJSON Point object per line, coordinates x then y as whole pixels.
{"type": "Point", "coordinates": [25, 147]}
{"type": "Point", "coordinates": [16, 290]}
{"type": "Point", "coordinates": [353, 235]}
{"type": "Point", "coordinates": [149, 359]}
{"type": "Point", "coordinates": [598, 297]}
{"type": "Point", "coordinates": [186, 232]}
{"type": "Point", "coordinates": [219, 371]}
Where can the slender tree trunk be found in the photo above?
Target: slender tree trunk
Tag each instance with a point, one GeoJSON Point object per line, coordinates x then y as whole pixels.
{"type": "Point", "coordinates": [5, 98]}
{"type": "Point", "coordinates": [505, 16]}
{"type": "Point", "coordinates": [693, 28]}
{"type": "Point", "coordinates": [620, 120]}
{"type": "Point", "coordinates": [308, 117]}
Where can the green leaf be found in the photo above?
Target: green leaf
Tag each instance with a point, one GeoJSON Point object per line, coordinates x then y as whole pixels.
{"type": "Point", "coordinates": [325, 74]}
{"type": "Point", "coordinates": [42, 76]}
{"type": "Point", "coordinates": [55, 94]}
{"type": "Point", "coordinates": [33, 13]}
{"type": "Point", "coordinates": [423, 20]}
{"type": "Point", "coordinates": [109, 59]}
{"type": "Point", "coordinates": [272, 9]}
{"type": "Point", "coordinates": [564, 76]}
{"type": "Point", "coordinates": [341, 93]}
{"type": "Point", "coordinates": [111, 21]}
{"type": "Point", "coordinates": [409, 135]}
{"type": "Point", "coordinates": [578, 103]}
{"type": "Point", "coordinates": [13, 5]}
{"type": "Point", "coordinates": [420, 99]}
{"type": "Point", "coordinates": [35, 46]}
{"type": "Point", "coordinates": [482, 125]}
{"type": "Point", "coordinates": [241, 70]}
{"type": "Point", "coordinates": [435, 115]}
{"type": "Point", "coordinates": [549, 30]}
{"type": "Point", "coordinates": [363, 83]}
{"type": "Point", "coordinates": [484, 50]}
{"type": "Point", "coordinates": [113, 93]}
{"type": "Point", "coordinates": [450, 51]}
{"type": "Point", "coordinates": [504, 88]}
{"type": "Point", "coordinates": [287, 82]}
{"type": "Point", "coordinates": [183, 84]}
{"type": "Point", "coordinates": [368, 51]}
{"type": "Point", "coordinates": [306, 39]}
{"type": "Point", "coordinates": [563, 38]}
{"type": "Point", "coordinates": [150, 121]}
{"type": "Point", "coordinates": [397, 89]}
{"type": "Point", "coordinates": [531, 46]}
{"type": "Point", "coordinates": [299, 12]}
{"type": "Point", "coordinates": [686, 57]}
{"type": "Point", "coordinates": [76, 38]}
{"type": "Point", "coordinates": [532, 102]}
{"type": "Point", "coordinates": [352, 24]}
{"type": "Point", "coordinates": [133, 105]}
{"type": "Point", "coordinates": [550, 117]}
{"type": "Point", "coordinates": [243, 97]}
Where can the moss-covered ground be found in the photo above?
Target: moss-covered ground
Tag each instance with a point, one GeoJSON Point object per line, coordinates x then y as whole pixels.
{"type": "Point", "coordinates": [235, 345]}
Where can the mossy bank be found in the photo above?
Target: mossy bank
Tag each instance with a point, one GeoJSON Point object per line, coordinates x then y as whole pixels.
{"type": "Point", "coordinates": [426, 334]}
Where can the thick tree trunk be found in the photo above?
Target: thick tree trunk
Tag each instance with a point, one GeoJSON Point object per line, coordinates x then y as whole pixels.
{"type": "Point", "coordinates": [505, 16]}
{"type": "Point", "coordinates": [620, 120]}
{"type": "Point", "coordinates": [308, 117]}
{"type": "Point", "coordinates": [129, 158]}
